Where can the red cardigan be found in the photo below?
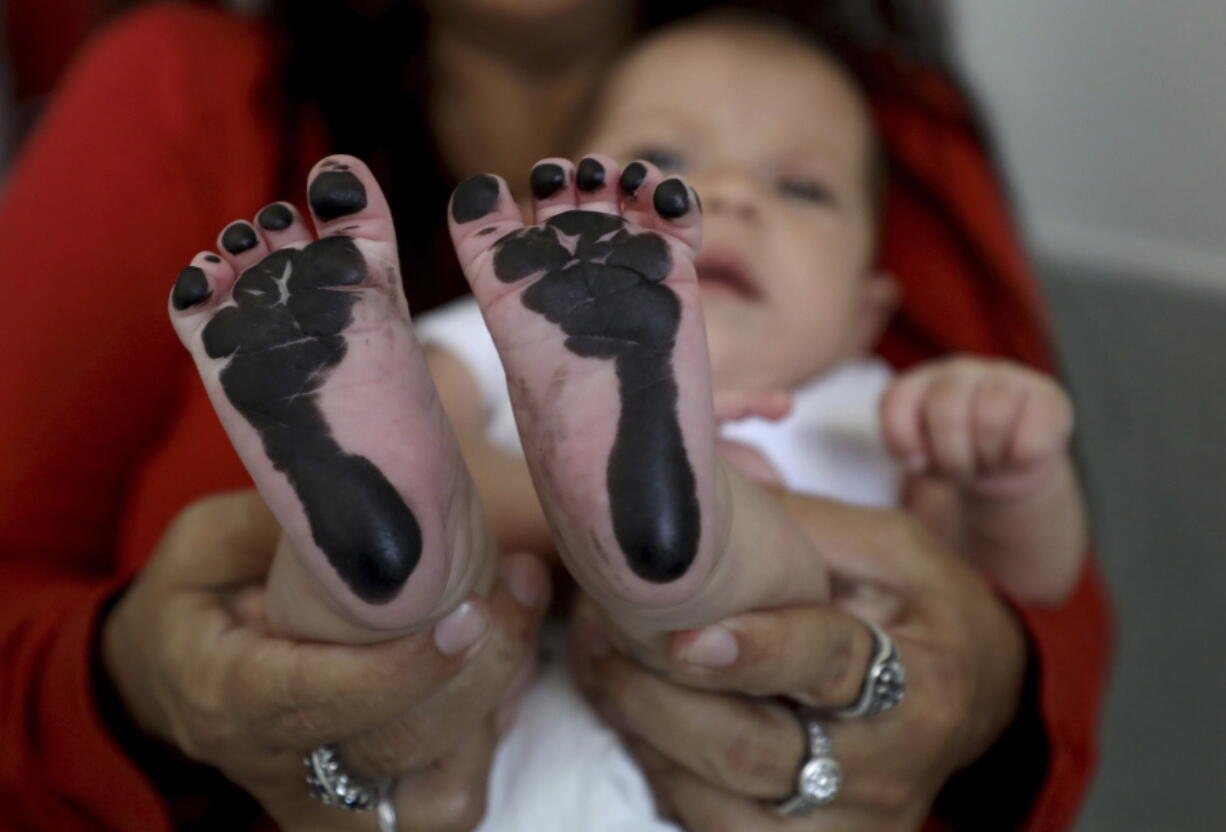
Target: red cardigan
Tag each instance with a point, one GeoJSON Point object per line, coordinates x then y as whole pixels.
{"type": "Point", "coordinates": [158, 137]}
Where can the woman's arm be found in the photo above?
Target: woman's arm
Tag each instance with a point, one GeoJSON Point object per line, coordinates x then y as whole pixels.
{"type": "Point", "coordinates": [1039, 771]}
{"type": "Point", "coordinates": [94, 221]}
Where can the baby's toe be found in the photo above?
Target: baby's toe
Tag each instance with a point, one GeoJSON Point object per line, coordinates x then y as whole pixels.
{"type": "Point", "coordinates": [282, 226]}
{"type": "Point", "coordinates": [198, 290]}
{"type": "Point", "coordinates": [242, 245]}
{"type": "Point", "coordinates": [553, 189]}
{"type": "Point", "coordinates": [596, 183]}
{"type": "Point", "coordinates": [668, 205]}
{"type": "Point", "coordinates": [481, 213]}
{"type": "Point", "coordinates": [345, 198]}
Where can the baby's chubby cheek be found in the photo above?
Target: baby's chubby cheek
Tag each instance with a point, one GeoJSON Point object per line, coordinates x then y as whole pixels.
{"type": "Point", "coordinates": [741, 354]}
{"type": "Point", "coordinates": [755, 347]}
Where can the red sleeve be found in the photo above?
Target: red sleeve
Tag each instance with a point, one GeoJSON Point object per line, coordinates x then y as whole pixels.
{"type": "Point", "coordinates": [42, 38]}
{"type": "Point", "coordinates": [111, 197]}
{"type": "Point", "coordinates": [951, 241]}
{"type": "Point", "coordinates": [1071, 650]}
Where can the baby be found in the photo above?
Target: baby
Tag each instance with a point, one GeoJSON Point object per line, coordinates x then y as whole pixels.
{"type": "Point", "coordinates": [776, 137]}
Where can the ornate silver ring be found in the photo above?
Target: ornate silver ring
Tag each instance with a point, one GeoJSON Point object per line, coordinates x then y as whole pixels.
{"type": "Point", "coordinates": [331, 785]}
{"type": "Point", "coordinates": [885, 683]}
{"type": "Point", "coordinates": [820, 777]}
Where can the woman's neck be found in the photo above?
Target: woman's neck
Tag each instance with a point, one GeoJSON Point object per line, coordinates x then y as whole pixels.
{"type": "Point", "coordinates": [500, 99]}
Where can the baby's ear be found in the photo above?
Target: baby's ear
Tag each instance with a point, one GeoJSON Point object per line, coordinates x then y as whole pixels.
{"type": "Point", "coordinates": [878, 302]}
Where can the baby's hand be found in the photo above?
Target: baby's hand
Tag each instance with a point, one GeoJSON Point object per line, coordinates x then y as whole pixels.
{"type": "Point", "coordinates": [996, 429]}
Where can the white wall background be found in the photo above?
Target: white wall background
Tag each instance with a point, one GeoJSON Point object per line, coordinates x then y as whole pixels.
{"type": "Point", "coordinates": [1112, 116]}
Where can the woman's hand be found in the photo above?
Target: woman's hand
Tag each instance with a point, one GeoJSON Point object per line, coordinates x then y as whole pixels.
{"type": "Point", "coordinates": [192, 661]}
{"type": "Point", "coordinates": [718, 752]}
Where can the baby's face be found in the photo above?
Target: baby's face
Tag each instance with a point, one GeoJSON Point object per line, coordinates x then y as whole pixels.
{"type": "Point", "coordinates": [777, 143]}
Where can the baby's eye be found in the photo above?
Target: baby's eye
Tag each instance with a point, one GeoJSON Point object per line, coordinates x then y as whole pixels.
{"type": "Point", "coordinates": [806, 189]}
{"type": "Point", "coordinates": [665, 160]}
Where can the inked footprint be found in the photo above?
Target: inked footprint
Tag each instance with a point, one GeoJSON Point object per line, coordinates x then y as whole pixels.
{"type": "Point", "coordinates": [601, 285]}
{"type": "Point", "coordinates": [282, 338]}
{"type": "Point", "coordinates": [311, 350]}
{"type": "Point", "coordinates": [610, 279]}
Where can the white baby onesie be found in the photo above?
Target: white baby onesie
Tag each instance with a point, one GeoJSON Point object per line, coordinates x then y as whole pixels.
{"type": "Point", "coordinates": [560, 769]}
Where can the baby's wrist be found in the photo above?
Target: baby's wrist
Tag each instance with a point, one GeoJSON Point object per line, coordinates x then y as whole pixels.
{"type": "Point", "coordinates": [1018, 485]}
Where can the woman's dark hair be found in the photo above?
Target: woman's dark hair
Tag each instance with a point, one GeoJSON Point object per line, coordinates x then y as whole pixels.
{"type": "Point", "coordinates": [332, 49]}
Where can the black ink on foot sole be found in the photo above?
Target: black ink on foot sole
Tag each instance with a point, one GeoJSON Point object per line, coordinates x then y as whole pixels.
{"type": "Point", "coordinates": [672, 199]}
{"type": "Point", "coordinates": [239, 237]}
{"type": "Point", "coordinates": [282, 339]}
{"type": "Point", "coordinates": [606, 295]}
{"type": "Point", "coordinates": [590, 175]}
{"type": "Point", "coordinates": [475, 197]}
{"type": "Point", "coordinates": [546, 180]}
{"type": "Point", "coordinates": [191, 288]}
{"type": "Point", "coordinates": [275, 217]}
{"type": "Point", "coordinates": [336, 193]}
{"type": "Point", "coordinates": [632, 177]}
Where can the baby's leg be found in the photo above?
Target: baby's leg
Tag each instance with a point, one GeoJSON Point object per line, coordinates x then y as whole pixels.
{"type": "Point", "coordinates": [596, 314]}
{"type": "Point", "coordinates": [307, 351]}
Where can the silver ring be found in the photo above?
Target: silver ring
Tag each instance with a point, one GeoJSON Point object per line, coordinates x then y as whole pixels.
{"type": "Point", "coordinates": [331, 785]}
{"type": "Point", "coordinates": [885, 683]}
{"type": "Point", "coordinates": [820, 776]}
{"type": "Point", "coordinates": [386, 810]}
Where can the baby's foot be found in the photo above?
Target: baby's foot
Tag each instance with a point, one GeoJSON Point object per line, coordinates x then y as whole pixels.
{"type": "Point", "coordinates": [596, 315]}
{"type": "Point", "coordinates": [310, 360]}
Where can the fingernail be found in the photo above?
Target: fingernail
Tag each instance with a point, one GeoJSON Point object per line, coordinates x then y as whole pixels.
{"type": "Point", "coordinates": [526, 579]}
{"type": "Point", "coordinates": [713, 647]}
{"type": "Point", "coordinates": [461, 629]}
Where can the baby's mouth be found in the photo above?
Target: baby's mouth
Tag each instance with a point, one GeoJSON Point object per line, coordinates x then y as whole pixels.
{"type": "Point", "coordinates": [725, 272]}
